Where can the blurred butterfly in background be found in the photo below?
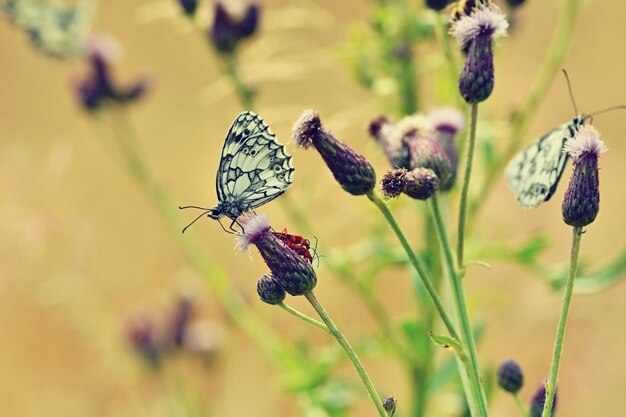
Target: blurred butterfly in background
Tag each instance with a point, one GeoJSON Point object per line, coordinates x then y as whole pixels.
{"type": "Point", "coordinates": [57, 29]}
{"type": "Point", "coordinates": [254, 169]}
{"type": "Point", "coordinates": [534, 173]}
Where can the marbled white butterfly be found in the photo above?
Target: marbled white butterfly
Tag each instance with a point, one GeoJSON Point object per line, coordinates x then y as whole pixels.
{"type": "Point", "coordinates": [534, 173]}
{"type": "Point", "coordinates": [254, 169]}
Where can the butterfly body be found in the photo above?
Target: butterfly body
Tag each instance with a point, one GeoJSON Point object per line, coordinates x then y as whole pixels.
{"type": "Point", "coordinates": [534, 173]}
{"type": "Point", "coordinates": [254, 168]}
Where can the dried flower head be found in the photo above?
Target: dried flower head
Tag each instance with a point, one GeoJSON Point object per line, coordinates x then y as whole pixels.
{"type": "Point", "coordinates": [269, 290]}
{"type": "Point", "coordinates": [419, 183]}
{"type": "Point", "coordinates": [292, 272]}
{"type": "Point", "coordinates": [581, 203]}
{"type": "Point", "coordinates": [351, 170]}
{"type": "Point", "coordinates": [510, 376]}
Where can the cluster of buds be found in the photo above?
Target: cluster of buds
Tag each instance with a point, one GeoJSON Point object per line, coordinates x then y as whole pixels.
{"type": "Point", "coordinates": [422, 145]}
{"type": "Point", "coordinates": [475, 26]}
{"type": "Point", "coordinates": [291, 271]}
{"type": "Point", "coordinates": [98, 87]}
{"type": "Point", "coordinates": [229, 29]}
{"type": "Point", "coordinates": [153, 340]}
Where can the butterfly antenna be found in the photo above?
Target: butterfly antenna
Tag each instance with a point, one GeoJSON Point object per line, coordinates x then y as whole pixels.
{"type": "Point", "coordinates": [571, 92]}
{"type": "Point", "coordinates": [197, 218]}
{"type": "Point", "coordinates": [595, 113]}
{"type": "Point", "coordinates": [194, 207]}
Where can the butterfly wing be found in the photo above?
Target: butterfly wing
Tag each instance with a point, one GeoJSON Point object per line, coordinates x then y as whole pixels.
{"type": "Point", "coordinates": [534, 173]}
{"type": "Point", "coordinates": [255, 168]}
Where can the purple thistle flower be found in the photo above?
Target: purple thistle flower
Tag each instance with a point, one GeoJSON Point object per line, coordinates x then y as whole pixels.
{"type": "Point", "coordinates": [538, 401]}
{"type": "Point", "coordinates": [269, 290]}
{"type": "Point", "coordinates": [475, 33]}
{"type": "Point", "coordinates": [141, 333]}
{"type": "Point", "coordinates": [426, 152]}
{"type": "Point", "coordinates": [419, 183]}
{"type": "Point", "coordinates": [582, 198]}
{"type": "Point", "coordinates": [437, 5]}
{"type": "Point", "coordinates": [392, 141]}
{"type": "Point", "coordinates": [227, 30]}
{"type": "Point", "coordinates": [351, 170]}
{"type": "Point", "coordinates": [448, 123]}
{"type": "Point", "coordinates": [510, 376]}
{"type": "Point", "coordinates": [292, 272]}
{"type": "Point", "coordinates": [189, 6]}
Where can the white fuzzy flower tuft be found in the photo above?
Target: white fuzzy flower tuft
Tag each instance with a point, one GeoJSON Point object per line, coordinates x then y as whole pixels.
{"type": "Point", "coordinates": [305, 128]}
{"type": "Point", "coordinates": [585, 142]}
{"type": "Point", "coordinates": [415, 122]}
{"type": "Point", "coordinates": [447, 119]}
{"type": "Point", "coordinates": [482, 20]}
{"type": "Point", "coordinates": [254, 227]}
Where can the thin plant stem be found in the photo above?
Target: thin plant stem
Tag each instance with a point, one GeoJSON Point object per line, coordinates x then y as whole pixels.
{"type": "Point", "coordinates": [461, 309]}
{"type": "Point", "coordinates": [245, 93]}
{"type": "Point", "coordinates": [560, 332]}
{"type": "Point", "coordinates": [522, 409]}
{"type": "Point", "coordinates": [557, 52]}
{"type": "Point", "coordinates": [304, 317]}
{"type": "Point", "coordinates": [430, 289]}
{"type": "Point", "coordinates": [369, 386]}
{"type": "Point", "coordinates": [469, 156]}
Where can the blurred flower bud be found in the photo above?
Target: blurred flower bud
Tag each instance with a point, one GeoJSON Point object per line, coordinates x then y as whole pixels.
{"type": "Point", "coordinates": [228, 30]}
{"type": "Point", "coordinates": [419, 183]}
{"type": "Point", "coordinates": [392, 141]}
{"type": "Point", "coordinates": [202, 339]}
{"type": "Point", "coordinates": [141, 334]}
{"type": "Point", "coordinates": [510, 376]}
{"type": "Point", "coordinates": [447, 124]}
{"type": "Point", "coordinates": [475, 33]}
{"type": "Point", "coordinates": [179, 321]}
{"type": "Point", "coordinates": [351, 170]}
{"type": "Point", "coordinates": [269, 291]}
{"type": "Point", "coordinates": [538, 401]}
{"type": "Point", "coordinates": [189, 6]}
{"type": "Point", "coordinates": [515, 3]}
{"type": "Point", "coordinates": [292, 272]}
{"type": "Point", "coordinates": [389, 404]}
{"type": "Point", "coordinates": [437, 5]}
{"type": "Point", "coordinates": [426, 152]}
{"type": "Point", "coordinates": [582, 198]}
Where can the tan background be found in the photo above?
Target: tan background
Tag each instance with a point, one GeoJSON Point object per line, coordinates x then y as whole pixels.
{"type": "Point", "coordinates": [81, 249]}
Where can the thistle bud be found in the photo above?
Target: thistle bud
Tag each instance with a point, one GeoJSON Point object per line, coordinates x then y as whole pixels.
{"type": "Point", "coordinates": [426, 152]}
{"type": "Point", "coordinates": [141, 334]}
{"type": "Point", "coordinates": [394, 139]}
{"type": "Point", "coordinates": [228, 30]}
{"type": "Point", "coordinates": [538, 401]}
{"type": "Point", "coordinates": [292, 272]}
{"type": "Point", "coordinates": [189, 6]}
{"type": "Point", "coordinates": [179, 321]}
{"type": "Point", "coordinates": [419, 183]}
{"type": "Point", "coordinates": [515, 3]}
{"type": "Point", "coordinates": [269, 291]}
{"type": "Point", "coordinates": [582, 198]}
{"type": "Point", "coordinates": [351, 170]}
{"type": "Point", "coordinates": [475, 33]}
{"type": "Point", "coordinates": [389, 404]}
{"type": "Point", "coordinates": [447, 124]}
{"type": "Point", "coordinates": [437, 5]}
{"type": "Point", "coordinates": [510, 376]}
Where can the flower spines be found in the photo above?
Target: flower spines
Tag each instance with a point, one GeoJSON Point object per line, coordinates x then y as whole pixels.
{"type": "Point", "coordinates": [351, 170]}
{"type": "Point", "coordinates": [581, 203]}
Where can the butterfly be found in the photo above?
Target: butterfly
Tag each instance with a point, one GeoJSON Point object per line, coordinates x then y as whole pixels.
{"type": "Point", "coordinates": [254, 169]}
{"type": "Point", "coordinates": [534, 173]}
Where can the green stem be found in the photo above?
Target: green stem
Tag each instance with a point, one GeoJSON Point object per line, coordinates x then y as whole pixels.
{"type": "Point", "coordinates": [244, 92]}
{"type": "Point", "coordinates": [465, 188]}
{"type": "Point", "coordinates": [304, 317]}
{"type": "Point", "coordinates": [349, 351]}
{"type": "Point", "coordinates": [461, 308]}
{"type": "Point", "coordinates": [558, 50]}
{"type": "Point", "coordinates": [522, 409]}
{"type": "Point", "coordinates": [560, 332]}
{"type": "Point", "coordinates": [430, 289]}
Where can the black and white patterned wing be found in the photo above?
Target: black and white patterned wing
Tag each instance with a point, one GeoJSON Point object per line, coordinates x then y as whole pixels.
{"type": "Point", "coordinates": [534, 173]}
{"type": "Point", "coordinates": [255, 168]}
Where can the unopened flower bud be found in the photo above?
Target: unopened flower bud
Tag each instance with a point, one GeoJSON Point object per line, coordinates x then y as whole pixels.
{"type": "Point", "coordinates": [515, 3]}
{"type": "Point", "coordinates": [538, 401]}
{"type": "Point", "coordinates": [189, 6]}
{"type": "Point", "coordinates": [179, 321]}
{"type": "Point", "coordinates": [437, 5]}
{"type": "Point", "coordinates": [292, 272]}
{"type": "Point", "coordinates": [228, 31]}
{"type": "Point", "coordinates": [426, 152]}
{"type": "Point", "coordinates": [269, 290]}
{"type": "Point", "coordinates": [389, 404]}
{"type": "Point", "coordinates": [419, 183]}
{"type": "Point", "coordinates": [510, 376]}
{"type": "Point", "coordinates": [141, 333]}
{"type": "Point", "coordinates": [351, 170]}
{"type": "Point", "coordinates": [475, 33]}
{"type": "Point", "coordinates": [582, 198]}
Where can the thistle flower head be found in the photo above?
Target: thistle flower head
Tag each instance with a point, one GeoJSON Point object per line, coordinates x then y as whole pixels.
{"type": "Point", "coordinates": [538, 401]}
{"type": "Point", "coordinates": [487, 20]}
{"type": "Point", "coordinates": [292, 272]}
{"type": "Point", "coordinates": [510, 376]}
{"type": "Point", "coordinates": [426, 152]}
{"type": "Point", "coordinates": [269, 290]}
{"type": "Point", "coordinates": [351, 170]}
{"type": "Point", "coordinates": [228, 30]}
{"type": "Point", "coordinates": [446, 120]}
{"type": "Point", "coordinates": [189, 7]}
{"type": "Point", "coordinates": [419, 183]}
{"type": "Point", "coordinates": [436, 5]}
{"type": "Point", "coordinates": [585, 143]}
{"type": "Point", "coordinates": [393, 182]}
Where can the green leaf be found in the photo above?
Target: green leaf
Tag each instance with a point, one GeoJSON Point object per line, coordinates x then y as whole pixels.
{"type": "Point", "coordinates": [448, 343]}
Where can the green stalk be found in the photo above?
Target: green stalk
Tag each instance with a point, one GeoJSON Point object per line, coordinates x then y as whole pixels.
{"type": "Point", "coordinates": [304, 317]}
{"type": "Point", "coordinates": [557, 52]}
{"type": "Point", "coordinates": [522, 409]}
{"type": "Point", "coordinates": [245, 94]}
{"type": "Point", "coordinates": [560, 332]}
{"type": "Point", "coordinates": [430, 289]}
{"type": "Point", "coordinates": [469, 156]}
{"type": "Point", "coordinates": [349, 351]}
{"type": "Point", "coordinates": [477, 389]}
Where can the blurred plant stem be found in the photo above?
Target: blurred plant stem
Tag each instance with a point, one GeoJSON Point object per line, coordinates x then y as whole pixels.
{"type": "Point", "coordinates": [349, 351]}
{"type": "Point", "coordinates": [463, 205]}
{"type": "Point", "coordinates": [244, 92]}
{"type": "Point", "coordinates": [304, 317]}
{"type": "Point", "coordinates": [610, 275]}
{"type": "Point", "coordinates": [441, 29]}
{"type": "Point", "coordinates": [558, 344]}
{"type": "Point", "coordinates": [522, 409]}
{"type": "Point", "coordinates": [207, 266]}
{"type": "Point", "coordinates": [557, 52]}
{"type": "Point", "coordinates": [478, 398]}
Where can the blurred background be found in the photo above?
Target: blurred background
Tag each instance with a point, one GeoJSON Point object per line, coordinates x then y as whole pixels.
{"type": "Point", "coordinates": [85, 258]}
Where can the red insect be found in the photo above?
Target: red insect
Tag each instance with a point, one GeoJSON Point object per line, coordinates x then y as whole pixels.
{"type": "Point", "coordinates": [297, 243]}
